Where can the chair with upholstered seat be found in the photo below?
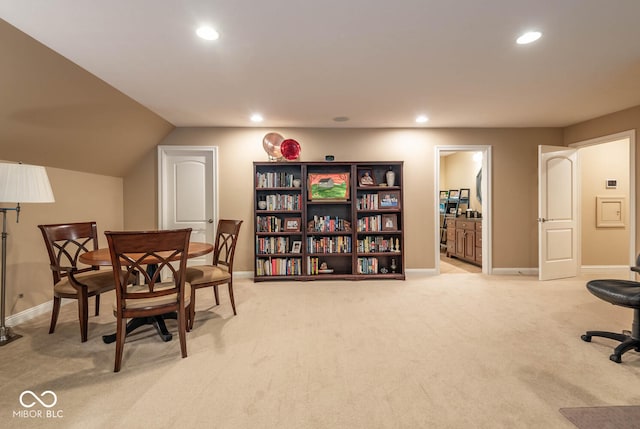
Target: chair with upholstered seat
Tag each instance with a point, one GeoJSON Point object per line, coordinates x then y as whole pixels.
{"type": "Point", "coordinates": [221, 271]}
{"type": "Point", "coordinates": [625, 293]}
{"type": "Point", "coordinates": [65, 243]}
{"type": "Point", "coordinates": [133, 251]}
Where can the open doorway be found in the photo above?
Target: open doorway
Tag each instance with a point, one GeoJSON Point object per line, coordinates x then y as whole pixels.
{"type": "Point", "coordinates": [607, 204]}
{"type": "Point", "coordinates": [463, 217]}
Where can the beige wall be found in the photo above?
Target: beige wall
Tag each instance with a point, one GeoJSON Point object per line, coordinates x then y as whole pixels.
{"type": "Point", "coordinates": [79, 197]}
{"type": "Point", "coordinates": [604, 246]}
{"type": "Point", "coordinates": [459, 171]}
{"type": "Point", "coordinates": [625, 120]}
{"type": "Point", "coordinates": [514, 180]}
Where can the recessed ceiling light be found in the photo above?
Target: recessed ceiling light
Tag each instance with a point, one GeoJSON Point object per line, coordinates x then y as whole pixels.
{"type": "Point", "coordinates": [341, 119]}
{"type": "Point", "coordinates": [422, 119]}
{"type": "Point", "coordinates": [528, 37]}
{"type": "Point", "coordinates": [257, 117]}
{"type": "Point", "coordinates": [207, 33]}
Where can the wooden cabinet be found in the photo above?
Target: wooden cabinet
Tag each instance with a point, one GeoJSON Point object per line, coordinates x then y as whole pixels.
{"type": "Point", "coordinates": [346, 217]}
{"type": "Point", "coordinates": [464, 240]}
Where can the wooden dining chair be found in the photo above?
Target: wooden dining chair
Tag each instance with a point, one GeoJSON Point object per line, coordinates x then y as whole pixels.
{"type": "Point", "coordinates": [65, 243]}
{"type": "Point", "coordinates": [133, 251]}
{"type": "Point", "coordinates": [221, 271]}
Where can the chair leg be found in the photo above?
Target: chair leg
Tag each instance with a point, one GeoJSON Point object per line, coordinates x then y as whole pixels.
{"type": "Point", "coordinates": [182, 325]}
{"type": "Point", "coordinates": [215, 294]}
{"type": "Point", "coordinates": [83, 313]}
{"type": "Point", "coordinates": [97, 304]}
{"type": "Point", "coordinates": [188, 310]}
{"type": "Point", "coordinates": [55, 311]}
{"type": "Point", "coordinates": [233, 301]}
{"type": "Point", "coordinates": [120, 336]}
{"type": "Point", "coordinates": [623, 347]}
{"type": "Point", "coordinates": [192, 308]}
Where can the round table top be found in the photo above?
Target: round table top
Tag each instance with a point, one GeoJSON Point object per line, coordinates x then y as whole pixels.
{"type": "Point", "coordinates": [102, 256]}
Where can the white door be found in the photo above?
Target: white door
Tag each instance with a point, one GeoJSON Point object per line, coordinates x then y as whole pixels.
{"type": "Point", "coordinates": [557, 212]}
{"type": "Point", "coordinates": [187, 192]}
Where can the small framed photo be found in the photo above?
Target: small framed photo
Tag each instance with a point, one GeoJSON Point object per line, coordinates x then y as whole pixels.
{"type": "Point", "coordinates": [444, 195]}
{"type": "Point", "coordinates": [389, 199]}
{"type": "Point", "coordinates": [464, 193]}
{"type": "Point", "coordinates": [454, 193]}
{"type": "Point", "coordinates": [296, 247]}
{"type": "Point", "coordinates": [389, 222]}
{"type": "Point", "coordinates": [292, 224]}
{"type": "Point", "coordinates": [366, 177]}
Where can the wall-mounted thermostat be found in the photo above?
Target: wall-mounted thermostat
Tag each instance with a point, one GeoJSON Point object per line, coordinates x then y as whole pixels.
{"type": "Point", "coordinates": [612, 183]}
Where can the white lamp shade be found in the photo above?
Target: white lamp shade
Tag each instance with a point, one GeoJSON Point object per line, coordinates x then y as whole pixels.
{"type": "Point", "coordinates": [22, 183]}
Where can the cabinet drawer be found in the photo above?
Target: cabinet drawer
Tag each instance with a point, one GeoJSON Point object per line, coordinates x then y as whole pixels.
{"type": "Point", "coordinates": [465, 224]}
{"type": "Point", "coordinates": [451, 234]}
{"type": "Point", "coordinates": [479, 254]}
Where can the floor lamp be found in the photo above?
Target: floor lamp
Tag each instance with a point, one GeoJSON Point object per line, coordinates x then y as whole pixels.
{"type": "Point", "coordinates": [19, 183]}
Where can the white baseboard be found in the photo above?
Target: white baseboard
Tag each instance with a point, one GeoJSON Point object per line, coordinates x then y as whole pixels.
{"type": "Point", "coordinates": [515, 271]}
{"type": "Point", "coordinates": [33, 312]}
{"type": "Point", "coordinates": [613, 270]}
{"type": "Point", "coordinates": [420, 272]}
{"type": "Point", "coordinates": [243, 274]}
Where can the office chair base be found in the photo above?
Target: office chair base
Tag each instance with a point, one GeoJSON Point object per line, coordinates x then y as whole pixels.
{"type": "Point", "coordinates": [627, 342]}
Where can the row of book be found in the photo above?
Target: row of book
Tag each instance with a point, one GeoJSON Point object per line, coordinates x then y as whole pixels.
{"type": "Point", "coordinates": [271, 245]}
{"type": "Point", "coordinates": [328, 224]}
{"type": "Point", "coordinates": [370, 244]}
{"type": "Point", "coordinates": [370, 223]}
{"type": "Point", "coordinates": [268, 224]}
{"type": "Point", "coordinates": [367, 265]}
{"type": "Point", "coordinates": [279, 267]}
{"type": "Point", "coordinates": [339, 244]}
{"type": "Point", "coordinates": [283, 202]}
{"type": "Point", "coordinates": [279, 179]}
{"type": "Point", "coordinates": [367, 202]}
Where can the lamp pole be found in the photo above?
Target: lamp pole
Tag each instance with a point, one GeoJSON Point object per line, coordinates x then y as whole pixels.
{"type": "Point", "coordinates": [6, 336]}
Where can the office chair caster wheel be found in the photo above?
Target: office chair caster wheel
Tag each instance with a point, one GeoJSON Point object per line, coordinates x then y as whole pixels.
{"type": "Point", "coordinates": [615, 358]}
{"type": "Point", "coordinates": [586, 338]}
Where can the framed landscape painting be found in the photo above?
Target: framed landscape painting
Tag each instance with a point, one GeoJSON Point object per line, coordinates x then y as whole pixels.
{"type": "Point", "coordinates": [328, 186]}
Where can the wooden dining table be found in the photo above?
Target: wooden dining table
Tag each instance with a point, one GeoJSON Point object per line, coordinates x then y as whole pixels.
{"type": "Point", "coordinates": [102, 257]}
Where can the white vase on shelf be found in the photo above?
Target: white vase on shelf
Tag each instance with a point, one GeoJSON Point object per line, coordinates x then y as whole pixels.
{"type": "Point", "coordinates": [390, 177]}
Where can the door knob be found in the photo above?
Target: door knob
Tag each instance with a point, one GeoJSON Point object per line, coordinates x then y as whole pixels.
{"type": "Point", "coordinates": [210, 221]}
{"type": "Point", "coordinates": [541, 219]}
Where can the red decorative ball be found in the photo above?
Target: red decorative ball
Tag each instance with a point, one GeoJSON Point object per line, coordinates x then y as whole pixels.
{"type": "Point", "coordinates": [290, 149]}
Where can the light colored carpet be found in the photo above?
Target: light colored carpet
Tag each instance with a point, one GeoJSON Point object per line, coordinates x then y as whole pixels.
{"type": "Point", "coordinates": [452, 351]}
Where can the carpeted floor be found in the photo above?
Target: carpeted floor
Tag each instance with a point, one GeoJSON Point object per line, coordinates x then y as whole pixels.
{"type": "Point", "coordinates": [448, 351]}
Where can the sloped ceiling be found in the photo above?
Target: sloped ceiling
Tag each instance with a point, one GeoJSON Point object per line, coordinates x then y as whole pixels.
{"type": "Point", "coordinates": [379, 63]}
{"type": "Point", "coordinates": [55, 113]}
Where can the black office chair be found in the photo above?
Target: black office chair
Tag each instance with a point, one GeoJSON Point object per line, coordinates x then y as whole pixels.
{"type": "Point", "coordinates": [625, 293]}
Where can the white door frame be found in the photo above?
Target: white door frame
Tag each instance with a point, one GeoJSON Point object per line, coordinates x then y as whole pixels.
{"type": "Point", "coordinates": [631, 136]}
{"type": "Point", "coordinates": [487, 266]}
